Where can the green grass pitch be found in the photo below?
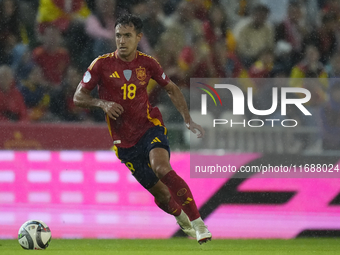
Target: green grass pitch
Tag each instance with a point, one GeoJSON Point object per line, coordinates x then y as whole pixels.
{"type": "Point", "coordinates": [179, 246]}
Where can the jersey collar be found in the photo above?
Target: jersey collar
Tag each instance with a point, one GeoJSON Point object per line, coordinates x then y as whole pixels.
{"type": "Point", "coordinates": [116, 55]}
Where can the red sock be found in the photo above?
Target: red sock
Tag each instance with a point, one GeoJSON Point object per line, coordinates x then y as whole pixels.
{"type": "Point", "coordinates": [180, 191]}
{"type": "Point", "coordinates": [171, 208]}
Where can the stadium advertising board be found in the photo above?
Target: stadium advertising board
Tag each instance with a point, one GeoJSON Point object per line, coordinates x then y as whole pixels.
{"type": "Point", "coordinates": [92, 195]}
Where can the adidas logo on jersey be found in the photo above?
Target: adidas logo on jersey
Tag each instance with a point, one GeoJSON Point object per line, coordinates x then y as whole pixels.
{"type": "Point", "coordinates": [156, 140]}
{"type": "Point", "coordinates": [114, 75]}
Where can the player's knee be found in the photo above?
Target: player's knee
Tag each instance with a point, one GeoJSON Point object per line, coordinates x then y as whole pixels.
{"type": "Point", "coordinates": [161, 170]}
{"type": "Point", "coordinates": [160, 192]}
{"type": "Point", "coordinates": [164, 198]}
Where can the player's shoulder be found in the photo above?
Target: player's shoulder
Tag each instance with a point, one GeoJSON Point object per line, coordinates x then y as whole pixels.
{"type": "Point", "coordinates": [146, 57]}
{"type": "Point", "coordinates": [101, 58]}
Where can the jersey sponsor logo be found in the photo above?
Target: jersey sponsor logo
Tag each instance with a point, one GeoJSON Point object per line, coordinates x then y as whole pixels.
{"type": "Point", "coordinates": [156, 140]}
{"type": "Point", "coordinates": [127, 74]}
{"type": "Point", "coordinates": [87, 77]}
{"type": "Point", "coordinates": [163, 76]}
{"type": "Point", "coordinates": [141, 73]}
{"type": "Point", "coordinates": [114, 75]}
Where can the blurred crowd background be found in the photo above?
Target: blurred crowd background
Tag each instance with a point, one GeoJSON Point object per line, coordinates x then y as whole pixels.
{"type": "Point", "coordinates": [46, 46]}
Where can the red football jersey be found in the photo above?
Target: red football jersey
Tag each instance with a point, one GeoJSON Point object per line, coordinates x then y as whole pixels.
{"type": "Point", "coordinates": [125, 83]}
{"type": "Point", "coordinates": [53, 64]}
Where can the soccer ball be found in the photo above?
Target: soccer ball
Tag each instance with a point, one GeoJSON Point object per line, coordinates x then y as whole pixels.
{"type": "Point", "coordinates": [34, 235]}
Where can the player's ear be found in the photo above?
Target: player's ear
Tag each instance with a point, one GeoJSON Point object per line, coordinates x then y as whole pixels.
{"type": "Point", "coordinates": [139, 36]}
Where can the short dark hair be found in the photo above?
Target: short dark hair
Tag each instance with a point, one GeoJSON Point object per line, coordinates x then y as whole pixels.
{"type": "Point", "coordinates": [128, 20]}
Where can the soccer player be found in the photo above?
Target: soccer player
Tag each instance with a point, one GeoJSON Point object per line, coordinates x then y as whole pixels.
{"type": "Point", "coordinates": [137, 130]}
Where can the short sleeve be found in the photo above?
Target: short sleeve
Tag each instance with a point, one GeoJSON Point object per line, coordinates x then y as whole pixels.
{"type": "Point", "coordinates": [158, 74]}
{"type": "Point", "coordinates": [92, 75]}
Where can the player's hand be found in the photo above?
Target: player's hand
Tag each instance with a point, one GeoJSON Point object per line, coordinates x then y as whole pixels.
{"type": "Point", "coordinates": [112, 109]}
{"type": "Point", "coordinates": [196, 129]}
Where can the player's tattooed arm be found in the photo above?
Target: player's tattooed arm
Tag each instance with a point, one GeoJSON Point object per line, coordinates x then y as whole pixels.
{"type": "Point", "coordinates": [178, 100]}
{"type": "Point", "coordinates": [82, 98]}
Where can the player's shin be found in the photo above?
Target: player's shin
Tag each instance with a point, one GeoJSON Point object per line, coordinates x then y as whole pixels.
{"type": "Point", "coordinates": [171, 207]}
{"type": "Point", "coordinates": [181, 193]}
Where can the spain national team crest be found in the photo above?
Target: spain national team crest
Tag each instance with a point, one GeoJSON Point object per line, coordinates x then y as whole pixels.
{"type": "Point", "coordinates": [141, 74]}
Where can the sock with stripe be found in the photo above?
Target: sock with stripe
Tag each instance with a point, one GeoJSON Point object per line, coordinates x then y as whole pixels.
{"type": "Point", "coordinates": [171, 207]}
{"type": "Point", "coordinates": [181, 193]}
